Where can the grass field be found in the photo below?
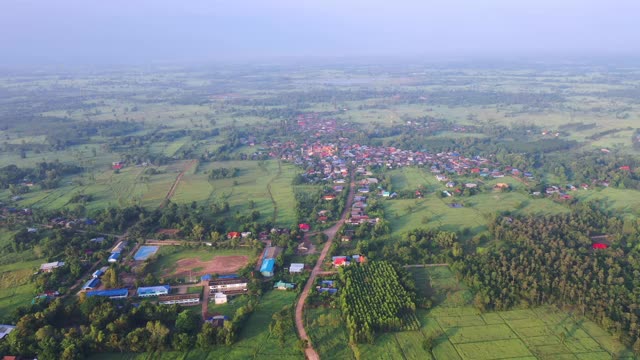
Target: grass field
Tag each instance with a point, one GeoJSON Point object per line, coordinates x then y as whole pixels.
{"type": "Point", "coordinates": [16, 288]}
{"type": "Point", "coordinates": [434, 211]}
{"type": "Point", "coordinates": [468, 334]}
{"type": "Point", "coordinates": [267, 183]}
{"type": "Point", "coordinates": [328, 336]}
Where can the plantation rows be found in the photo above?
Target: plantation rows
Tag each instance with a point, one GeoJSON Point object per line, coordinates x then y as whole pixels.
{"type": "Point", "coordinates": [374, 300]}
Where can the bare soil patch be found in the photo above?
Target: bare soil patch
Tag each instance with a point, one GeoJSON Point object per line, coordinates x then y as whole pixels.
{"type": "Point", "coordinates": [218, 265]}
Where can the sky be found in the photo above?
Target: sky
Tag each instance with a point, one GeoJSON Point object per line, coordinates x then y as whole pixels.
{"type": "Point", "coordinates": [143, 31]}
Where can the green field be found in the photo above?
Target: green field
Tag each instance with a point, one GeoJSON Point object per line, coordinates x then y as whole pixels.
{"type": "Point", "coordinates": [328, 336]}
{"type": "Point", "coordinates": [267, 183]}
{"type": "Point", "coordinates": [433, 210]}
{"type": "Point", "coordinates": [16, 288]}
{"type": "Point", "coordinates": [536, 333]}
{"type": "Point", "coordinates": [461, 332]}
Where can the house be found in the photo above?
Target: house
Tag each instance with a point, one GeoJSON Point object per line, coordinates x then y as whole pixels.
{"type": "Point", "coordinates": [329, 197]}
{"type": "Point", "coordinates": [304, 227]}
{"type": "Point", "coordinates": [296, 268]}
{"type": "Point", "coordinates": [217, 320]}
{"type": "Point", "coordinates": [91, 284]}
{"type": "Point", "coordinates": [322, 219]}
{"type": "Point", "coordinates": [267, 267]}
{"type": "Point", "coordinates": [340, 261]}
{"type": "Point", "coordinates": [113, 258]}
{"type": "Point", "coordinates": [228, 286]}
{"type": "Point", "coordinates": [117, 165]}
{"type": "Point", "coordinates": [345, 238]}
{"type": "Point", "coordinates": [327, 290]}
{"type": "Point", "coordinates": [281, 285]}
{"type": "Point", "coordinates": [119, 247]}
{"type": "Point", "coordinates": [326, 283]}
{"type": "Point", "coordinates": [49, 267]}
{"type": "Point", "coordinates": [32, 230]}
{"type": "Point", "coordinates": [98, 273]}
{"type": "Point", "coordinates": [358, 259]}
{"type": "Point", "coordinates": [182, 299]}
{"type": "Point", "coordinates": [501, 186]}
{"type": "Point", "coordinates": [599, 246]}
{"type": "Point", "coordinates": [471, 185]}
{"type": "Point", "coordinates": [111, 294]}
{"type": "Point", "coordinates": [450, 184]}
{"type": "Point", "coordinates": [303, 247]}
{"type": "Point", "coordinates": [220, 298]}
{"type": "Point", "coordinates": [5, 330]}
{"type": "Point", "coordinates": [234, 235]}
{"type": "Point", "coordinates": [441, 177]}
{"type": "Point", "coordinates": [153, 290]}
{"type": "Point", "coordinates": [98, 240]}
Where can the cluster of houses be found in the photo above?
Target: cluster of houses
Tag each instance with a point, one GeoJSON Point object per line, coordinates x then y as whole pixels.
{"type": "Point", "coordinates": [94, 282]}
{"type": "Point", "coordinates": [346, 260]}
{"type": "Point", "coordinates": [161, 292]}
{"type": "Point", "coordinates": [69, 223]}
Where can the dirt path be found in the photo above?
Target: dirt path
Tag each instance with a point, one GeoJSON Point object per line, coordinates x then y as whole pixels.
{"type": "Point", "coordinates": [205, 299]}
{"type": "Point", "coordinates": [310, 353]}
{"type": "Point", "coordinates": [174, 186]}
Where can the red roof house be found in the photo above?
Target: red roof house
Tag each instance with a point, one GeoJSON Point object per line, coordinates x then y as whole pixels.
{"type": "Point", "coordinates": [234, 235]}
{"type": "Point", "coordinates": [304, 227]}
{"type": "Point", "coordinates": [600, 246]}
{"type": "Point", "coordinates": [625, 168]}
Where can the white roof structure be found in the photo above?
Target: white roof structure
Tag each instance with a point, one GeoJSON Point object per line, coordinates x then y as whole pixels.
{"type": "Point", "coordinates": [5, 330]}
{"type": "Point", "coordinates": [52, 265]}
{"type": "Point", "coordinates": [296, 268]}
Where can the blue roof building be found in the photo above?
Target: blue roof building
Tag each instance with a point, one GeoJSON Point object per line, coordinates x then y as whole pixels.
{"type": "Point", "coordinates": [96, 274]}
{"type": "Point", "coordinates": [91, 284]}
{"type": "Point", "coordinates": [153, 290]}
{"type": "Point", "coordinates": [111, 294]}
{"type": "Point", "coordinates": [267, 267]}
{"type": "Point", "coordinates": [114, 257]}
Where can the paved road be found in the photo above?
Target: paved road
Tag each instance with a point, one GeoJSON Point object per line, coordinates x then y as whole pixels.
{"type": "Point", "coordinates": [331, 232]}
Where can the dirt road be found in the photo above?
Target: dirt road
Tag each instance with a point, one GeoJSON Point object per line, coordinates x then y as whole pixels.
{"type": "Point", "coordinates": [174, 186]}
{"type": "Point", "coordinates": [205, 300]}
{"type": "Point", "coordinates": [331, 232]}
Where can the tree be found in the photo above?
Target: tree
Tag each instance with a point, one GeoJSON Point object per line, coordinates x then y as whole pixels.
{"type": "Point", "coordinates": [158, 335]}
{"type": "Point", "coordinates": [110, 278]}
{"type": "Point", "coordinates": [197, 232]}
{"type": "Point", "coordinates": [187, 322]}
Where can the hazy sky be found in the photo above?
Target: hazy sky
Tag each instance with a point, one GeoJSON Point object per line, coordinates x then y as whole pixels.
{"type": "Point", "coordinates": [122, 31]}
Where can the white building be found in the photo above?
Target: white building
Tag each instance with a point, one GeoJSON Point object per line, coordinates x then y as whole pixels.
{"type": "Point", "coordinates": [220, 298]}
{"type": "Point", "coordinates": [183, 299]}
{"type": "Point", "coordinates": [5, 330]}
{"type": "Point", "coordinates": [296, 268]}
{"type": "Point", "coordinates": [48, 267]}
{"type": "Point", "coordinates": [234, 285]}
